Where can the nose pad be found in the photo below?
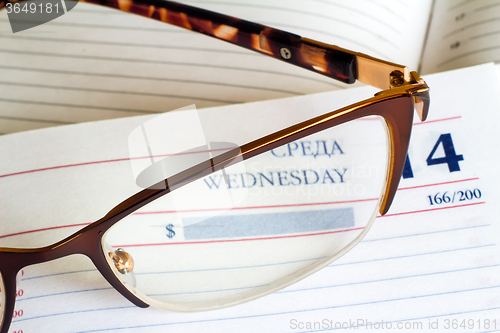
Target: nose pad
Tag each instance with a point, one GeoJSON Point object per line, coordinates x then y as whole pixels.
{"type": "Point", "coordinates": [123, 263]}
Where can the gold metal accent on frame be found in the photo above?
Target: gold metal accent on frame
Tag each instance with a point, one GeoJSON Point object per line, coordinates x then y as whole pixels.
{"type": "Point", "coordinates": [373, 71]}
{"type": "Point", "coordinates": [123, 261]}
{"type": "Point", "coordinates": [381, 74]}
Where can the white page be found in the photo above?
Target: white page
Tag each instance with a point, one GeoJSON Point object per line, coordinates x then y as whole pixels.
{"type": "Point", "coordinates": [97, 63]}
{"type": "Point", "coordinates": [462, 33]}
{"type": "Point", "coordinates": [421, 263]}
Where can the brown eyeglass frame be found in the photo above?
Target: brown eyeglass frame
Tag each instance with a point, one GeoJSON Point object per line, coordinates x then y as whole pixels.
{"type": "Point", "coordinates": [403, 93]}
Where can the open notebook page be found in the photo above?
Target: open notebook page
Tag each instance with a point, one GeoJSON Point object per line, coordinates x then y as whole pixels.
{"type": "Point", "coordinates": [462, 33]}
{"type": "Point", "coordinates": [432, 260]}
{"type": "Point", "coordinates": [97, 63]}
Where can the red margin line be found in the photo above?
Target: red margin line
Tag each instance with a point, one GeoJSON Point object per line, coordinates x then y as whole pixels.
{"type": "Point", "coordinates": [244, 239]}
{"type": "Point", "coordinates": [437, 120]}
{"type": "Point", "coordinates": [62, 166]}
{"type": "Point", "coordinates": [45, 229]}
{"type": "Point", "coordinates": [125, 159]}
{"type": "Point", "coordinates": [109, 161]}
{"type": "Point", "coordinates": [256, 207]}
{"type": "Point", "coordinates": [454, 181]}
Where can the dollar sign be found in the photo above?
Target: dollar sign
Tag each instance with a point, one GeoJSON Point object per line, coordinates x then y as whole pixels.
{"type": "Point", "coordinates": [171, 232]}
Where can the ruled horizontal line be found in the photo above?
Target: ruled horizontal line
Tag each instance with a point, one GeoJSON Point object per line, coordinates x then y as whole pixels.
{"type": "Point", "coordinates": [431, 209]}
{"type": "Point", "coordinates": [34, 120]}
{"type": "Point", "coordinates": [109, 91]}
{"type": "Point", "coordinates": [312, 259]}
{"type": "Point", "coordinates": [232, 268]}
{"type": "Point", "coordinates": [151, 78]}
{"type": "Point", "coordinates": [376, 19]}
{"type": "Point", "coordinates": [208, 291]}
{"type": "Point", "coordinates": [276, 24]}
{"type": "Point", "coordinates": [388, 9]}
{"type": "Point", "coordinates": [244, 52]}
{"type": "Point", "coordinates": [180, 30]}
{"type": "Point", "coordinates": [62, 293]}
{"type": "Point", "coordinates": [279, 292]}
{"type": "Point", "coordinates": [94, 270]}
{"type": "Point", "coordinates": [486, 7]}
{"type": "Point", "coordinates": [72, 312]}
{"type": "Point", "coordinates": [390, 279]}
{"type": "Point", "coordinates": [306, 13]}
{"type": "Point", "coordinates": [403, 320]}
{"type": "Point", "coordinates": [129, 44]}
{"type": "Point", "coordinates": [410, 255]}
{"type": "Point", "coordinates": [161, 62]}
{"type": "Point", "coordinates": [20, 101]}
{"type": "Point", "coordinates": [436, 184]}
{"type": "Point", "coordinates": [468, 54]}
{"type": "Point", "coordinates": [471, 26]}
{"type": "Point", "coordinates": [333, 265]}
{"type": "Point", "coordinates": [327, 33]}
{"type": "Point", "coordinates": [460, 4]}
{"type": "Point", "coordinates": [368, 240]}
{"type": "Point", "coordinates": [491, 33]}
{"type": "Point", "coordinates": [361, 13]}
{"type": "Point", "coordinates": [260, 315]}
{"type": "Point", "coordinates": [98, 26]}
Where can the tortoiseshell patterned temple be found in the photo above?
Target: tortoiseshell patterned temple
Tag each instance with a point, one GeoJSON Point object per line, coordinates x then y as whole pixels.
{"type": "Point", "coordinates": [332, 61]}
{"type": "Point", "coordinates": [278, 44]}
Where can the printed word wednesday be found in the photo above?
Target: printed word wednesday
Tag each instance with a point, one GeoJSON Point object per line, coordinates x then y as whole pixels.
{"type": "Point", "coordinates": [276, 178]}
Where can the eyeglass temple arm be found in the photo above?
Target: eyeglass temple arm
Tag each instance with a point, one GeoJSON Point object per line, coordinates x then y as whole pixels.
{"type": "Point", "coordinates": [332, 61]}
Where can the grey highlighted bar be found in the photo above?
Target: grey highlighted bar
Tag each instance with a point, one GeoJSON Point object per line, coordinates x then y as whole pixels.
{"type": "Point", "coordinates": [270, 224]}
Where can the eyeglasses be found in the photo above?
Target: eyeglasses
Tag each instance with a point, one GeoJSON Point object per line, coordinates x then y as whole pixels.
{"type": "Point", "coordinates": [228, 236]}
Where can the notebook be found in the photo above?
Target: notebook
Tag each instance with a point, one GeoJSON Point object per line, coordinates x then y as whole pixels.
{"type": "Point", "coordinates": [96, 63]}
{"type": "Point", "coordinates": [431, 264]}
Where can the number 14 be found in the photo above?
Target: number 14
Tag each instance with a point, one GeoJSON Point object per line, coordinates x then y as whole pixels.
{"type": "Point", "coordinates": [450, 156]}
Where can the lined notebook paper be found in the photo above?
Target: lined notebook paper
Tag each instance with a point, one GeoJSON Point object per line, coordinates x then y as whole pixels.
{"type": "Point", "coordinates": [98, 63]}
{"type": "Point", "coordinates": [462, 33]}
{"type": "Point", "coordinates": [432, 259]}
